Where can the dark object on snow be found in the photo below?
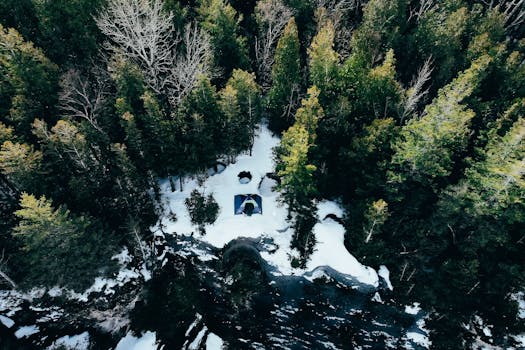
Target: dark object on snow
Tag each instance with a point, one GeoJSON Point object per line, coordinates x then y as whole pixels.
{"type": "Point", "coordinates": [245, 177]}
{"type": "Point", "coordinates": [335, 218]}
{"type": "Point", "coordinates": [217, 168]}
{"type": "Point", "coordinates": [248, 204]}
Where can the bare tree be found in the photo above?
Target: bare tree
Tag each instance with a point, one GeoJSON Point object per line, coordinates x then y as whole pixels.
{"type": "Point", "coordinates": [271, 17]}
{"type": "Point", "coordinates": [141, 31]}
{"type": "Point", "coordinates": [193, 61]}
{"type": "Point", "coordinates": [3, 274]}
{"type": "Point", "coordinates": [416, 92]}
{"type": "Point", "coordinates": [420, 9]}
{"type": "Point", "coordinates": [80, 98]}
{"type": "Point", "coordinates": [337, 12]}
{"type": "Point", "coordinates": [513, 11]}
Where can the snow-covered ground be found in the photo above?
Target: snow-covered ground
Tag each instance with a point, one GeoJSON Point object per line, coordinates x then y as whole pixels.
{"type": "Point", "coordinates": [145, 342]}
{"type": "Point", "coordinates": [329, 250]}
{"type": "Point", "coordinates": [74, 342]}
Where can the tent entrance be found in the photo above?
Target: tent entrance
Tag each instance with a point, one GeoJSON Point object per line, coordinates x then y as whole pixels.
{"type": "Point", "coordinates": [247, 204]}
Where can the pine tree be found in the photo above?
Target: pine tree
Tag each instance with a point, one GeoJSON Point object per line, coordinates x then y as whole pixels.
{"type": "Point", "coordinates": [481, 220]}
{"type": "Point", "coordinates": [203, 210]}
{"type": "Point", "coordinates": [297, 182]}
{"type": "Point", "coordinates": [68, 32]}
{"type": "Point", "coordinates": [203, 126]}
{"type": "Point", "coordinates": [365, 161]}
{"type": "Point", "coordinates": [383, 23]}
{"type": "Point", "coordinates": [286, 77]}
{"type": "Point", "coordinates": [221, 21]}
{"type": "Point", "coordinates": [375, 217]}
{"type": "Point", "coordinates": [59, 249]}
{"type": "Point", "coordinates": [310, 114]}
{"type": "Point", "coordinates": [427, 146]}
{"type": "Point", "coordinates": [20, 163]}
{"type": "Point", "coordinates": [440, 35]}
{"type": "Point", "coordinates": [241, 104]}
{"type": "Point", "coordinates": [30, 82]}
{"type": "Point", "coordinates": [324, 61]}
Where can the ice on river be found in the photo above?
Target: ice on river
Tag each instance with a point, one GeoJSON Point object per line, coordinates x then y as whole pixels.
{"type": "Point", "coordinates": [329, 249]}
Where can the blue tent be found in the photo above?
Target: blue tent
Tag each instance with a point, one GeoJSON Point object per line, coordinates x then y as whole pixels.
{"type": "Point", "coordinates": [247, 204]}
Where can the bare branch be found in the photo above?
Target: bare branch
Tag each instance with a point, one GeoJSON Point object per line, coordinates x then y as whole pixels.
{"type": "Point", "coordinates": [192, 62]}
{"type": "Point", "coordinates": [81, 98]}
{"type": "Point", "coordinates": [142, 32]}
{"type": "Point", "coordinates": [271, 16]}
{"type": "Point", "coordinates": [4, 275]}
{"type": "Point", "coordinates": [337, 12]}
{"type": "Point", "coordinates": [419, 11]}
{"type": "Point", "coordinates": [513, 11]}
{"type": "Point", "coordinates": [416, 92]}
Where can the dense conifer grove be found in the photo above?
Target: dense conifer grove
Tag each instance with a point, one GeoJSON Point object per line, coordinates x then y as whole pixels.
{"type": "Point", "coordinates": [411, 113]}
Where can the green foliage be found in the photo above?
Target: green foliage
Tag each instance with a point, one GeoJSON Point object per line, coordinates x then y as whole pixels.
{"type": "Point", "coordinates": [68, 30]}
{"type": "Point", "coordinates": [202, 124]}
{"type": "Point", "coordinates": [29, 84]}
{"type": "Point", "coordinates": [20, 163]}
{"type": "Point", "coordinates": [130, 86]}
{"type": "Point", "coordinates": [383, 23]}
{"type": "Point", "coordinates": [375, 217]}
{"type": "Point", "coordinates": [365, 160]}
{"type": "Point", "coordinates": [58, 248]}
{"type": "Point", "coordinates": [240, 101]}
{"type": "Point", "coordinates": [202, 210]}
{"type": "Point", "coordinates": [310, 113]}
{"type": "Point", "coordinates": [221, 21]}
{"type": "Point", "coordinates": [297, 182]}
{"type": "Point", "coordinates": [6, 133]}
{"type": "Point", "coordinates": [427, 146]}
{"type": "Point", "coordinates": [441, 35]}
{"type": "Point", "coordinates": [20, 15]}
{"type": "Point", "coordinates": [323, 60]}
{"type": "Point", "coordinates": [286, 78]}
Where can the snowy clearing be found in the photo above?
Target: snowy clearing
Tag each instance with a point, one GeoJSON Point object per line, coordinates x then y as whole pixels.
{"type": "Point", "coordinates": [329, 250]}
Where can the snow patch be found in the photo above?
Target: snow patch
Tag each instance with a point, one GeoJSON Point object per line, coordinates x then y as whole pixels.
{"type": "Point", "coordinates": [73, 342]}
{"type": "Point", "coordinates": [413, 309]}
{"type": "Point", "coordinates": [195, 344]}
{"type": "Point", "coordinates": [214, 342]}
{"type": "Point", "coordinates": [384, 273]}
{"type": "Point", "coordinates": [26, 331]}
{"type": "Point", "coordinates": [6, 321]}
{"type": "Point", "coordinates": [55, 292]}
{"type": "Point", "coordinates": [146, 342]}
{"type": "Point", "coordinates": [520, 299]}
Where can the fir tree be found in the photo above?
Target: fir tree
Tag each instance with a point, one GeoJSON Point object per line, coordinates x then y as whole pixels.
{"type": "Point", "coordinates": [286, 77]}
{"type": "Point", "coordinates": [324, 61]}
{"type": "Point", "coordinates": [428, 146]}
{"type": "Point", "coordinates": [221, 21]}
{"type": "Point", "coordinates": [59, 249]}
{"type": "Point", "coordinates": [31, 82]}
